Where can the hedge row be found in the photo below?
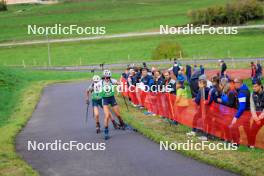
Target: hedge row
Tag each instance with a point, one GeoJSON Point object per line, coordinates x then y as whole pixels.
{"type": "Point", "coordinates": [3, 6]}
{"type": "Point", "coordinates": [235, 13]}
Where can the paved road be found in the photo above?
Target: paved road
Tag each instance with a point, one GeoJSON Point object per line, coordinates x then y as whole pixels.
{"type": "Point", "coordinates": [60, 115]}
{"type": "Point", "coordinates": [124, 35]}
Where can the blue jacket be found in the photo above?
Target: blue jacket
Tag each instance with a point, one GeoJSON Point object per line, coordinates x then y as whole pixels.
{"type": "Point", "coordinates": [175, 70]}
{"type": "Point", "coordinates": [148, 80]}
{"type": "Point", "coordinates": [213, 95]}
{"type": "Point", "coordinates": [199, 96]}
{"type": "Point", "coordinates": [243, 100]}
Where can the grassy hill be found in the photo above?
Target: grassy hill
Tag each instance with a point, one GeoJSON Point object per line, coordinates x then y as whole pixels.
{"type": "Point", "coordinates": [246, 44]}
{"type": "Point", "coordinates": [118, 16]}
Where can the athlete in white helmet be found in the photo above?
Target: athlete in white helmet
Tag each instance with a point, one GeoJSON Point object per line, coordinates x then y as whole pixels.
{"type": "Point", "coordinates": [108, 95]}
{"type": "Point", "coordinates": [95, 90]}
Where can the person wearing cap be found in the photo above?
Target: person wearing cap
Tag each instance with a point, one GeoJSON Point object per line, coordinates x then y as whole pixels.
{"type": "Point", "coordinates": [257, 111]}
{"type": "Point", "coordinates": [223, 67]}
{"type": "Point", "coordinates": [194, 81]}
{"type": "Point", "coordinates": [132, 77]}
{"type": "Point", "coordinates": [202, 94]}
{"type": "Point", "coordinates": [243, 99]}
{"type": "Point", "coordinates": [181, 101]}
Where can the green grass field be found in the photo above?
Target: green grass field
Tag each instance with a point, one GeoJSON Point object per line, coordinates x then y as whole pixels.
{"type": "Point", "coordinates": [117, 16]}
{"type": "Point", "coordinates": [20, 90]}
{"type": "Point", "coordinates": [244, 45]}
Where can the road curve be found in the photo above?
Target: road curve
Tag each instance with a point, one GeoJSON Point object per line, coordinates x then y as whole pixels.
{"type": "Point", "coordinates": [60, 116]}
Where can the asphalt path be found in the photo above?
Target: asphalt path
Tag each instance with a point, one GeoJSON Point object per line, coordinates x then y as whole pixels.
{"type": "Point", "coordinates": [60, 115]}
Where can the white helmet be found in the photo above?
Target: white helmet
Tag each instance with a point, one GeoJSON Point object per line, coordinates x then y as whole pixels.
{"type": "Point", "coordinates": [107, 73]}
{"type": "Point", "coordinates": [96, 78]}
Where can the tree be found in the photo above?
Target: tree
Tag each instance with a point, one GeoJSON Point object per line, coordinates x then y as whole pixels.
{"type": "Point", "coordinates": [167, 50]}
{"type": "Point", "coordinates": [3, 6]}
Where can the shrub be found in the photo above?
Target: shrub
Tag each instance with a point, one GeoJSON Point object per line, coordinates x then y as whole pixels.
{"type": "Point", "coordinates": [3, 6]}
{"type": "Point", "coordinates": [167, 50]}
{"type": "Point", "coordinates": [235, 13]}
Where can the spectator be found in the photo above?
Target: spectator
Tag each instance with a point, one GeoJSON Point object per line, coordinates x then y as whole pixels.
{"type": "Point", "coordinates": [243, 99]}
{"type": "Point", "coordinates": [169, 82]}
{"type": "Point", "coordinates": [214, 92]}
{"type": "Point", "coordinates": [259, 70]}
{"type": "Point", "coordinates": [253, 71]}
{"type": "Point", "coordinates": [203, 90]}
{"type": "Point", "coordinates": [181, 76]}
{"type": "Point", "coordinates": [202, 94]}
{"type": "Point", "coordinates": [229, 94]}
{"type": "Point", "coordinates": [202, 69]}
{"type": "Point", "coordinates": [257, 111]}
{"type": "Point", "coordinates": [223, 67]}
{"type": "Point", "coordinates": [188, 72]}
{"type": "Point", "coordinates": [132, 78]}
{"type": "Point", "coordinates": [158, 80]}
{"type": "Point", "coordinates": [146, 79]}
{"type": "Point", "coordinates": [181, 101]}
{"type": "Point", "coordinates": [176, 69]}
{"type": "Point", "coordinates": [194, 82]}
{"type": "Point", "coordinates": [125, 74]}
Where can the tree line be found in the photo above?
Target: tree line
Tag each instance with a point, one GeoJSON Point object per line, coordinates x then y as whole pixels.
{"type": "Point", "coordinates": [235, 13]}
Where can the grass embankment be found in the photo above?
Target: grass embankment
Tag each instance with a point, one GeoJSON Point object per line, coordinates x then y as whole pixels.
{"type": "Point", "coordinates": [243, 161]}
{"type": "Point", "coordinates": [116, 16]}
{"type": "Point", "coordinates": [246, 44]}
{"type": "Point", "coordinates": [19, 94]}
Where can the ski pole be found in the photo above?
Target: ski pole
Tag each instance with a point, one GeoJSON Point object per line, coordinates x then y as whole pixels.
{"type": "Point", "coordinates": [125, 102]}
{"type": "Point", "coordinates": [87, 111]}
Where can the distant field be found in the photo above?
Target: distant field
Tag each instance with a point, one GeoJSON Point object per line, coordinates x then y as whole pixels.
{"type": "Point", "coordinates": [247, 44]}
{"type": "Point", "coordinates": [118, 16]}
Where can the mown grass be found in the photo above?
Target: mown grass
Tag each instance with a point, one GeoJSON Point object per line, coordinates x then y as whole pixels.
{"type": "Point", "coordinates": [19, 93]}
{"type": "Point", "coordinates": [246, 44]}
{"type": "Point", "coordinates": [243, 161]}
{"type": "Point", "coordinates": [117, 16]}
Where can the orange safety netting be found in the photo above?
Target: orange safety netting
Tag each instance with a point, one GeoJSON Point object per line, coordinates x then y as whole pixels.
{"type": "Point", "coordinates": [214, 119]}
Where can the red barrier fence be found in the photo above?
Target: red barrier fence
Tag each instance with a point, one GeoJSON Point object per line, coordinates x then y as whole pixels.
{"type": "Point", "coordinates": [214, 119]}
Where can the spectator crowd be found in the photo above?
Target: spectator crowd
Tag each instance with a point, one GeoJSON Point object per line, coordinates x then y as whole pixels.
{"type": "Point", "coordinates": [221, 89]}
